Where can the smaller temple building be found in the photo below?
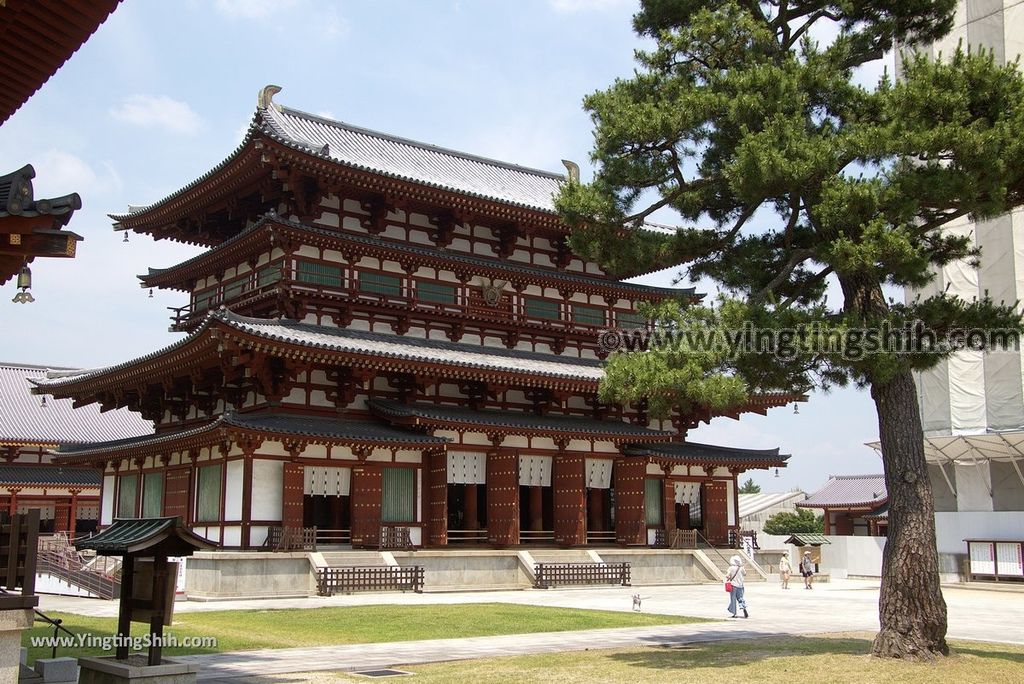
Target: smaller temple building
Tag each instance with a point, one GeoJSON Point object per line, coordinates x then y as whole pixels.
{"type": "Point", "coordinates": [853, 505]}
{"type": "Point", "coordinates": [68, 497]}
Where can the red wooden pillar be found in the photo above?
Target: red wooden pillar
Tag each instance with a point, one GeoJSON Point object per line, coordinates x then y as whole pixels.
{"type": "Point", "coordinates": [247, 500]}
{"type": "Point", "coordinates": [826, 530]}
{"type": "Point", "coordinates": [470, 507]}
{"type": "Point", "coordinates": [683, 517]}
{"type": "Point", "coordinates": [293, 483]}
{"type": "Point", "coordinates": [503, 497]}
{"type": "Point", "coordinates": [437, 497]}
{"type": "Point", "coordinates": [12, 508]}
{"type": "Point", "coordinates": [367, 489]}
{"type": "Point", "coordinates": [569, 480]}
{"type": "Point", "coordinates": [595, 508]}
{"type": "Point", "coordinates": [630, 525]}
{"type": "Point", "coordinates": [73, 515]}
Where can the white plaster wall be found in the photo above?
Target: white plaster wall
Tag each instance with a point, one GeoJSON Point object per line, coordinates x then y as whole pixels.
{"type": "Point", "coordinates": [267, 484]}
{"type": "Point", "coordinates": [857, 556]}
{"type": "Point", "coordinates": [973, 490]}
{"type": "Point", "coordinates": [953, 527]}
{"type": "Point", "coordinates": [232, 536]}
{"type": "Point", "coordinates": [233, 484]}
{"type": "Point", "coordinates": [107, 501]}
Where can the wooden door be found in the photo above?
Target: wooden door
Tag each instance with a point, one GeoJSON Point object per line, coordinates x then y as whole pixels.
{"type": "Point", "coordinates": [292, 495]}
{"type": "Point", "coordinates": [716, 512]}
{"type": "Point", "coordinates": [367, 489]}
{"type": "Point", "coordinates": [503, 497]}
{"type": "Point", "coordinates": [437, 498]}
{"type": "Point", "coordinates": [630, 521]}
{"type": "Point", "coordinates": [569, 485]}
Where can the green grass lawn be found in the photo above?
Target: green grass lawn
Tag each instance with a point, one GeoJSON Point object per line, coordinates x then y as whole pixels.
{"type": "Point", "coordinates": [789, 660]}
{"type": "Point", "coordinates": [246, 630]}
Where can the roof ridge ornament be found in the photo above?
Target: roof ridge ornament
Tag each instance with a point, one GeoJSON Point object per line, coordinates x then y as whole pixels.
{"type": "Point", "coordinates": [574, 170]}
{"type": "Point", "coordinates": [265, 100]}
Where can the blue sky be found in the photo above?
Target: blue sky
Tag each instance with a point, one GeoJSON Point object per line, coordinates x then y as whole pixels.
{"type": "Point", "coordinates": [165, 90]}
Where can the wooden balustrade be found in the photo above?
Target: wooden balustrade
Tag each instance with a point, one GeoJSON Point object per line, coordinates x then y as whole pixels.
{"type": "Point", "coordinates": [549, 575]}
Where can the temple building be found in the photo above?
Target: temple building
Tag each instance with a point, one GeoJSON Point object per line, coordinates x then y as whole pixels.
{"type": "Point", "coordinates": [393, 343]}
{"type": "Point", "coordinates": [68, 497]}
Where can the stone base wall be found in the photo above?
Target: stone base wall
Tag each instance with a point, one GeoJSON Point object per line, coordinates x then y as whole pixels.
{"type": "Point", "coordinates": [213, 575]}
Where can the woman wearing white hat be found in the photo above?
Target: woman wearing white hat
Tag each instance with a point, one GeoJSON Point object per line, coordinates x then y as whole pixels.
{"type": "Point", "coordinates": [734, 583]}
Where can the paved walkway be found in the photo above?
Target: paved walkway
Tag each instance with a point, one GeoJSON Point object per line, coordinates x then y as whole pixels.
{"type": "Point", "coordinates": [840, 606]}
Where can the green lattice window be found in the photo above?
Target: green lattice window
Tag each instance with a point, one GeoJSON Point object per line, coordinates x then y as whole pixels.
{"type": "Point", "coordinates": [318, 273]}
{"type": "Point", "coordinates": [269, 274]}
{"type": "Point", "coordinates": [435, 292]}
{"type": "Point", "coordinates": [398, 495]}
{"type": "Point", "coordinates": [587, 315]}
{"type": "Point", "coordinates": [652, 501]}
{"type": "Point", "coordinates": [205, 299]}
{"type": "Point", "coordinates": [127, 492]}
{"type": "Point", "coordinates": [380, 283]}
{"type": "Point", "coordinates": [235, 288]}
{"type": "Point", "coordinates": [541, 308]}
{"type": "Point", "coordinates": [208, 494]}
{"type": "Point", "coordinates": [152, 495]}
{"type": "Point", "coordinates": [628, 319]}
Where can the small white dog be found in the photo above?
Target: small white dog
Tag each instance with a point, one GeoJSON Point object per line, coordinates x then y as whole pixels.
{"type": "Point", "coordinates": [636, 602]}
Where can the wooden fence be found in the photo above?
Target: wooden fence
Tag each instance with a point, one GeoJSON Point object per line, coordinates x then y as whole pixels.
{"type": "Point", "coordinates": [561, 574]}
{"type": "Point", "coordinates": [19, 540]}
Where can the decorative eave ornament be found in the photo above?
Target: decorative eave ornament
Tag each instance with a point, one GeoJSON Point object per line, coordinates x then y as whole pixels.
{"type": "Point", "coordinates": [574, 170]}
{"type": "Point", "coordinates": [265, 100]}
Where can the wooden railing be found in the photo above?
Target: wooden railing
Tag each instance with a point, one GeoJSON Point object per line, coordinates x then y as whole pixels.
{"type": "Point", "coordinates": [19, 541]}
{"type": "Point", "coordinates": [536, 536]}
{"type": "Point", "coordinates": [601, 537]}
{"type": "Point", "coordinates": [333, 537]}
{"type": "Point", "coordinates": [395, 538]}
{"type": "Point", "coordinates": [467, 536]}
{"type": "Point", "coordinates": [736, 538]}
{"type": "Point", "coordinates": [561, 574]}
{"type": "Point", "coordinates": [345, 580]}
{"type": "Point", "coordinates": [291, 538]}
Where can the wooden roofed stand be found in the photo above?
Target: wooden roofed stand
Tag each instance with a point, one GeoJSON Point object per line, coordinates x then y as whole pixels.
{"type": "Point", "coordinates": [138, 541]}
{"type": "Point", "coordinates": [394, 344]}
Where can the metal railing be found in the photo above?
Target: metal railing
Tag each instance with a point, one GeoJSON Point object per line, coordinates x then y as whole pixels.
{"type": "Point", "coordinates": [601, 537]}
{"type": "Point", "coordinates": [560, 574]}
{"type": "Point", "coordinates": [75, 571]}
{"type": "Point", "coordinates": [536, 536]}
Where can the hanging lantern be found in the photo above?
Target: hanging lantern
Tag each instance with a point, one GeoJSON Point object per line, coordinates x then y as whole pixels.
{"type": "Point", "coordinates": [796, 409]}
{"type": "Point", "coordinates": [125, 237]}
{"type": "Point", "coordinates": [24, 284]}
{"type": "Point", "coordinates": [150, 293]}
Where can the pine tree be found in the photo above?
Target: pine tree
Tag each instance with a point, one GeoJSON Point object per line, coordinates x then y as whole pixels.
{"type": "Point", "coordinates": [794, 522]}
{"type": "Point", "coordinates": [788, 176]}
{"type": "Point", "coordinates": [749, 487]}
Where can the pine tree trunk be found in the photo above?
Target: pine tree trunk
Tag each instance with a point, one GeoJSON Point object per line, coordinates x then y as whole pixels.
{"type": "Point", "coordinates": [912, 611]}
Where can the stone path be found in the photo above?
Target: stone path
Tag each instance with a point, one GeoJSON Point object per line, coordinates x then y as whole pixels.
{"type": "Point", "coordinates": [839, 606]}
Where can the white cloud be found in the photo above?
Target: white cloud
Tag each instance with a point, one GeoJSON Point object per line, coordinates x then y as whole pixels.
{"type": "Point", "coordinates": [158, 111]}
{"type": "Point", "coordinates": [61, 173]}
{"type": "Point", "coordinates": [252, 9]}
{"type": "Point", "coordinates": [570, 6]}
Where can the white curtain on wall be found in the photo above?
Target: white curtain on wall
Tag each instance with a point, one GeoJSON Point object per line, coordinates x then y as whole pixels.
{"type": "Point", "coordinates": [327, 481]}
{"type": "Point", "coordinates": [535, 471]}
{"type": "Point", "coordinates": [466, 468]}
{"type": "Point", "coordinates": [599, 473]}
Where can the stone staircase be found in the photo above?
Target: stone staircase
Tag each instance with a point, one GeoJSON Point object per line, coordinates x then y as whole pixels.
{"type": "Point", "coordinates": [720, 559]}
{"type": "Point", "coordinates": [345, 559]}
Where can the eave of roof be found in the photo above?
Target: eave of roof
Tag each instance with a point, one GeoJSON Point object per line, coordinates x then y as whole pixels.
{"type": "Point", "coordinates": [49, 476]}
{"type": "Point", "coordinates": [186, 270]}
{"type": "Point", "coordinates": [693, 452]}
{"type": "Point", "coordinates": [29, 25]}
{"type": "Point", "coordinates": [301, 428]}
{"type": "Point", "coordinates": [512, 422]}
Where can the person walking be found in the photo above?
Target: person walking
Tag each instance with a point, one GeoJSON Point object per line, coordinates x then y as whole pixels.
{"type": "Point", "coordinates": [734, 582]}
{"type": "Point", "coordinates": [784, 570]}
{"type": "Point", "coordinates": [807, 570]}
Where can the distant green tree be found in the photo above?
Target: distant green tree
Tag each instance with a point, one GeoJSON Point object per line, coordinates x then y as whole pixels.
{"type": "Point", "coordinates": [786, 522]}
{"type": "Point", "coordinates": [749, 487]}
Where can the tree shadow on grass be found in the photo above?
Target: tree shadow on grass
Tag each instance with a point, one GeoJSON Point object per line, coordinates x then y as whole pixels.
{"type": "Point", "coordinates": [983, 653]}
{"type": "Point", "coordinates": [730, 650]}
